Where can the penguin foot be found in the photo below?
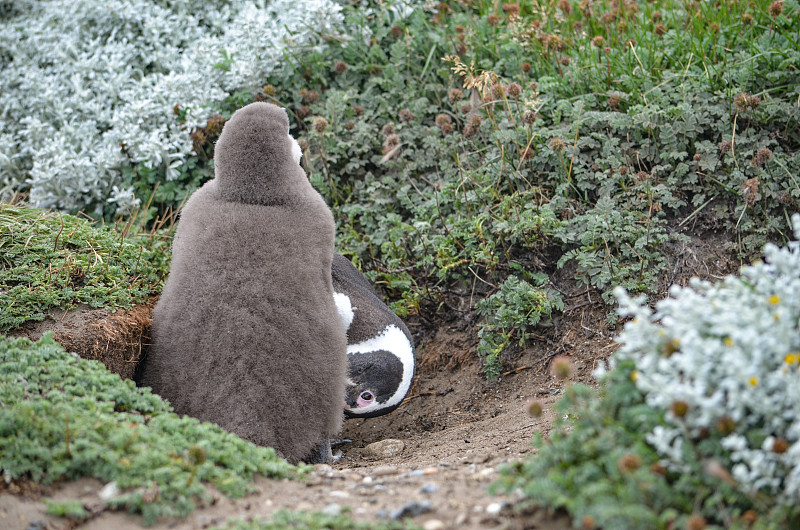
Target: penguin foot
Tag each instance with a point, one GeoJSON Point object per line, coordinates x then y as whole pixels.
{"type": "Point", "coordinates": [340, 441]}
{"type": "Point", "coordinates": [324, 454]}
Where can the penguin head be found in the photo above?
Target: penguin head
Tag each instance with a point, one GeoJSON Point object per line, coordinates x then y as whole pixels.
{"type": "Point", "coordinates": [374, 378]}
{"type": "Point", "coordinates": [256, 160]}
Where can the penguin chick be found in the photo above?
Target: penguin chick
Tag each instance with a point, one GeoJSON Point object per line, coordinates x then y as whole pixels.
{"type": "Point", "coordinates": [380, 351]}
{"type": "Point", "coordinates": [246, 333]}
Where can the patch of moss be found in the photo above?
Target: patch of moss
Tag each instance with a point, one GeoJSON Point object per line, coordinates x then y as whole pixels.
{"type": "Point", "coordinates": [50, 260]}
{"type": "Point", "coordinates": [63, 417]}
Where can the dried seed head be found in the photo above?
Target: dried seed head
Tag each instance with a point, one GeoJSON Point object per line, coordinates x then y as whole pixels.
{"type": "Point", "coordinates": [750, 516]}
{"type": "Point", "coordinates": [535, 408]}
{"type": "Point", "coordinates": [588, 523]}
{"type": "Point", "coordinates": [713, 27]}
{"type": "Point", "coordinates": [780, 445]}
{"type": "Point", "coordinates": [561, 366]}
{"type": "Point", "coordinates": [629, 462]}
{"type": "Point", "coordinates": [527, 153]}
{"type": "Point", "coordinates": [726, 425]}
{"type": "Point", "coordinates": [269, 90]}
{"type": "Point", "coordinates": [598, 41]}
{"type": "Point", "coordinates": [641, 176]}
{"type": "Point", "coordinates": [319, 124]}
{"type": "Point", "coordinates": [557, 144]}
{"type": "Point", "coordinates": [461, 48]}
{"type": "Point", "coordinates": [658, 469]}
{"type": "Point", "coordinates": [309, 96]}
{"type": "Point", "coordinates": [762, 157]}
{"type": "Point", "coordinates": [565, 61]}
{"type": "Point", "coordinates": [375, 70]}
{"type": "Point", "coordinates": [534, 86]}
{"type": "Point", "coordinates": [405, 115]}
{"type": "Point", "coordinates": [526, 67]}
{"type": "Point", "coordinates": [747, 19]}
{"type": "Point", "coordinates": [513, 90]}
{"type": "Point", "coordinates": [530, 117]}
{"type": "Point", "coordinates": [725, 147]}
{"type": "Point", "coordinates": [459, 29]}
{"type": "Point", "coordinates": [775, 8]}
{"type": "Point", "coordinates": [565, 6]}
{"type": "Point", "coordinates": [492, 20]}
{"type": "Point", "coordinates": [498, 91]}
{"type": "Point", "coordinates": [697, 157]}
{"type": "Point", "coordinates": [455, 95]}
{"type": "Point", "coordinates": [358, 109]}
{"type": "Point", "coordinates": [303, 111]}
{"type": "Point", "coordinates": [511, 10]}
{"type": "Point", "coordinates": [660, 30]}
{"type": "Point", "coordinates": [441, 119]}
{"type": "Point", "coordinates": [475, 121]}
{"type": "Point", "coordinates": [696, 522]}
{"type": "Point", "coordinates": [623, 170]}
{"type": "Point", "coordinates": [443, 7]}
{"type": "Point", "coordinates": [744, 102]}
{"type": "Point", "coordinates": [469, 131]}
{"type": "Point", "coordinates": [669, 348]}
{"type": "Point", "coordinates": [396, 32]}
{"type": "Point", "coordinates": [613, 101]}
{"type": "Point", "coordinates": [390, 143]}
{"type": "Point", "coordinates": [466, 108]}
{"type": "Point", "coordinates": [656, 17]}
{"type": "Point", "coordinates": [679, 408]}
{"type": "Point", "coordinates": [461, 37]}
{"type": "Point", "coordinates": [340, 67]}
{"type": "Point", "coordinates": [608, 18]}
{"type": "Point", "coordinates": [303, 144]}
{"type": "Point", "coordinates": [350, 125]}
{"type": "Point", "coordinates": [388, 129]}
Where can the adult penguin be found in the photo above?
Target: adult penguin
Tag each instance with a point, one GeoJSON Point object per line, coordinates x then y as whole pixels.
{"type": "Point", "coordinates": [246, 332]}
{"type": "Point", "coordinates": [380, 350]}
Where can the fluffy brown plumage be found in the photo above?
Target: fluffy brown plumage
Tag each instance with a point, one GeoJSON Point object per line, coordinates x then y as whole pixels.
{"type": "Point", "coordinates": [246, 332]}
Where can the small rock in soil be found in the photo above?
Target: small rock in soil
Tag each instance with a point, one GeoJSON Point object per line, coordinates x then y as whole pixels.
{"type": "Point", "coordinates": [429, 488]}
{"type": "Point", "coordinates": [495, 508]}
{"type": "Point", "coordinates": [382, 471]}
{"type": "Point", "coordinates": [433, 524]}
{"type": "Point", "coordinates": [384, 448]}
{"type": "Point", "coordinates": [411, 509]}
{"type": "Point", "coordinates": [332, 509]}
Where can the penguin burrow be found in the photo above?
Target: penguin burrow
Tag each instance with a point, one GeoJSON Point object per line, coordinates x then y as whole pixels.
{"type": "Point", "coordinates": [246, 333]}
{"type": "Point", "coordinates": [380, 350]}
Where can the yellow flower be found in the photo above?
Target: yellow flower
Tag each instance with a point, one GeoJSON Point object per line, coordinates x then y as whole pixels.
{"type": "Point", "coordinates": [727, 341]}
{"type": "Point", "coordinates": [792, 358]}
{"type": "Point", "coordinates": [634, 375]}
{"type": "Point", "coordinates": [753, 381]}
{"type": "Point", "coordinates": [774, 299]}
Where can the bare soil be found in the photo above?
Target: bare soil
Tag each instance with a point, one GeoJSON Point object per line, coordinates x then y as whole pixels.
{"type": "Point", "coordinates": [454, 431]}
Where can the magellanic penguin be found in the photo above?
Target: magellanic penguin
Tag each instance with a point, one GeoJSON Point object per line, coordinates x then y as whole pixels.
{"type": "Point", "coordinates": [246, 333]}
{"type": "Point", "coordinates": [380, 350]}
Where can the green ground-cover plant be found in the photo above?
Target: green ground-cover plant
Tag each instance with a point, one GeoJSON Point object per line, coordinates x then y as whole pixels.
{"type": "Point", "coordinates": [63, 417]}
{"type": "Point", "coordinates": [50, 260]}
{"type": "Point", "coordinates": [696, 424]}
{"type": "Point", "coordinates": [313, 521]}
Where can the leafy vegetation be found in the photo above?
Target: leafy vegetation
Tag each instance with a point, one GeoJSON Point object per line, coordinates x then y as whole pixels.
{"type": "Point", "coordinates": [696, 422]}
{"type": "Point", "coordinates": [312, 521]}
{"type": "Point", "coordinates": [50, 260]}
{"type": "Point", "coordinates": [63, 417]}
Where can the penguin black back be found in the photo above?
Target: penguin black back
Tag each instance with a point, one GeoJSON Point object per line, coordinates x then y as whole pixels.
{"type": "Point", "coordinates": [380, 349]}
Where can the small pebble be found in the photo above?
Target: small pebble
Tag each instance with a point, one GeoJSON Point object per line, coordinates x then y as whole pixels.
{"type": "Point", "coordinates": [332, 509]}
{"type": "Point", "coordinates": [495, 508]}
{"type": "Point", "coordinates": [382, 471]}
{"type": "Point", "coordinates": [304, 506]}
{"type": "Point", "coordinates": [367, 480]}
{"type": "Point", "coordinates": [411, 509]}
{"type": "Point", "coordinates": [323, 470]}
{"type": "Point", "coordinates": [109, 491]}
{"type": "Point", "coordinates": [384, 448]}
{"type": "Point", "coordinates": [339, 494]}
{"type": "Point", "coordinates": [433, 524]}
{"type": "Point", "coordinates": [429, 488]}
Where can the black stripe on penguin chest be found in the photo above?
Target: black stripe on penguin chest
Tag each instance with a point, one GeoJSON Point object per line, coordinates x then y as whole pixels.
{"type": "Point", "coordinates": [380, 372]}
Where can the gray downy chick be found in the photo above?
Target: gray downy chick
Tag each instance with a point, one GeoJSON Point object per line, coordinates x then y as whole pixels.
{"type": "Point", "coordinates": [380, 350]}
{"type": "Point", "coordinates": [246, 333]}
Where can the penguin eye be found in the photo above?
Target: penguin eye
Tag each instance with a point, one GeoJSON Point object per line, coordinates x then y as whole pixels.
{"type": "Point", "coordinates": [367, 396]}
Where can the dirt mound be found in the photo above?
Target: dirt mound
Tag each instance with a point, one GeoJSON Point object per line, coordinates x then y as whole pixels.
{"type": "Point", "coordinates": [117, 339]}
